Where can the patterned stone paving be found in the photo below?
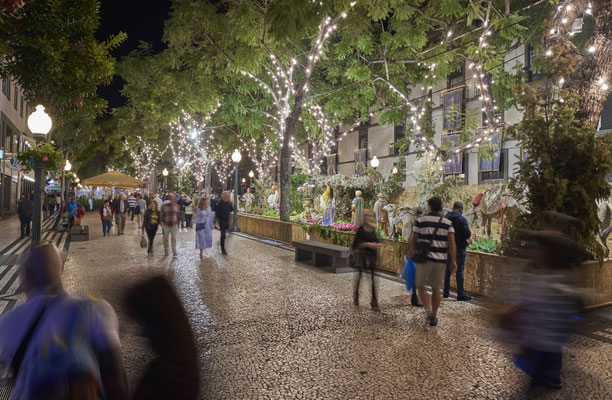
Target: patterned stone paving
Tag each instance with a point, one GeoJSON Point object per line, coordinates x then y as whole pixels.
{"type": "Point", "coordinates": [268, 328]}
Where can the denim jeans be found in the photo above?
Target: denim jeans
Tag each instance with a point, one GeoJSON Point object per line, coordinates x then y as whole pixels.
{"type": "Point", "coordinates": [461, 255]}
{"type": "Point", "coordinates": [106, 227]}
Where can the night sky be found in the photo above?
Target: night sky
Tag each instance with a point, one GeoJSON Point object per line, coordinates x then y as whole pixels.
{"type": "Point", "coordinates": [142, 20]}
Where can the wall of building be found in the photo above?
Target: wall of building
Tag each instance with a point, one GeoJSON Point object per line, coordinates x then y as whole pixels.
{"type": "Point", "coordinates": [13, 120]}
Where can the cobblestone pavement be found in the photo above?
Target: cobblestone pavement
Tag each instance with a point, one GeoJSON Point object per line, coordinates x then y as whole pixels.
{"type": "Point", "coordinates": [268, 328]}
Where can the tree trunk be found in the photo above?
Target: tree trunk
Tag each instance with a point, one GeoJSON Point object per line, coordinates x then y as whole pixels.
{"type": "Point", "coordinates": [586, 79]}
{"type": "Point", "coordinates": [285, 156]}
{"type": "Point", "coordinates": [207, 179]}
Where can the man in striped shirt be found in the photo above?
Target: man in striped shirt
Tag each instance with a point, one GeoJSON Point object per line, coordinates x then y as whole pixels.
{"type": "Point", "coordinates": [431, 273]}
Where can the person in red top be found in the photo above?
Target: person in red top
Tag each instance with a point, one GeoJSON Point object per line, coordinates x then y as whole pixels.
{"type": "Point", "coordinates": [170, 220]}
{"type": "Point", "coordinates": [106, 215]}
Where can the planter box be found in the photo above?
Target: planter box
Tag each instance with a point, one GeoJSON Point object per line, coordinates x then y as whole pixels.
{"type": "Point", "coordinates": [485, 274]}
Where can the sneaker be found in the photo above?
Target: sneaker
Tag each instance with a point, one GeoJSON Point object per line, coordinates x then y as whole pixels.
{"type": "Point", "coordinates": [414, 300]}
{"type": "Point", "coordinates": [224, 252]}
{"type": "Point", "coordinates": [375, 306]}
{"type": "Point", "coordinates": [433, 321]}
{"type": "Point", "coordinates": [464, 297]}
{"type": "Point", "coordinates": [174, 255]}
{"type": "Point", "coordinates": [167, 253]}
{"type": "Point", "coordinates": [446, 295]}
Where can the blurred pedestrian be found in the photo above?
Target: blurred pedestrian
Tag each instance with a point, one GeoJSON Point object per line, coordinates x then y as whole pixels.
{"type": "Point", "coordinates": [46, 203]}
{"type": "Point", "coordinates": [414, 299]}
{"type": "Point", "coordinates": [189, 206]}
{"type": "Point", "coordinates": [462, 235]}
{"type": "Point", "coordinates": [141, 208]}
{"type": "Point", "coordinates": [150, 223]}
{"type": "Point", "coordinates": [121, 207]}
{"type": "Point", "coordinates": [60, 346]}
{"type": "Point", "coordinates": [132, 203]}
{"type": "Point", "coordinates": [170, 221]}
{"type": "Point", "coordinates": [432, 243]}
{"type": "Point", "coordinates": [222, 213]}
{"type": "Point", "coordinates": [52, 204]}
{"type": "Point", "coordinates": [204, 221]}
{"type": "Point", "coordinates": [91, 202]}
{"type": "Point", "coordinates": [24, 210]}
{"type": "Point", "coordinates": [72, 209]}
{"type": "Point", "coordinates": [106, 215]}
{"type": "Point", "coordinates": [173, 373]}
{"type": "Point", "coordinates": [365, 246]}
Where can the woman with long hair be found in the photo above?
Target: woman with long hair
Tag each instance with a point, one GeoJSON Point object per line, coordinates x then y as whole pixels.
{"type": "Point", "coordinates": [151, 223]}
{"type": "Point", "coordinates": [204, 220]}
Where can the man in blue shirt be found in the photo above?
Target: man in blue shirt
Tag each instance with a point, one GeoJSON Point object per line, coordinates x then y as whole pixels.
{"type": "Point", "coordinates": [462, 234]}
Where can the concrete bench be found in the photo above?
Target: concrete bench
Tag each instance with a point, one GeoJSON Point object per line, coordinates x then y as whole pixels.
{"type": "Point", "coordinates": [79, 233]}
{"type": "Point", "coordinates": [335, 258]}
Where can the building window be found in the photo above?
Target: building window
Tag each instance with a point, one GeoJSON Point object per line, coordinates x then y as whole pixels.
{"type": "Point", "coordinates": [9, 139]}
{"type": "Point", "coordinates": [456, 79]}
{"type": "Point", "coordinates": [21, 107]}
{"type": "Point", "coordinates": [496, 175]}
{"type": "Point", "coordinates": [363, 137]}
{"type": "Point", "coordinates": [399, 133]}
{"type": "Point", "coordinates": [16, 99]}
{"type": "Point", "coordinates": [6, 87]}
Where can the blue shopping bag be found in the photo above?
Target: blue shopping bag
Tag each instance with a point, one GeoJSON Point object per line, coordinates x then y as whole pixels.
{"type": "Point", "coordinates": [409, 272]}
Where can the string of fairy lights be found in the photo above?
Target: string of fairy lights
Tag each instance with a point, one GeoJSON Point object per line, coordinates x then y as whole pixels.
{"type": "Point", "coordinates": [146, 157]}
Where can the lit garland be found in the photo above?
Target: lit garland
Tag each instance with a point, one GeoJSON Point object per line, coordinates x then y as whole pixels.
{"type": "Point", "coordinates": [282, 87]}
{"type": "Point", "coordinates": [146, 160]}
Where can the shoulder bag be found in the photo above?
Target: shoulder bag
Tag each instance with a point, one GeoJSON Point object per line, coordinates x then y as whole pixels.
{"type": "Point", "coordinates": [422, 248]}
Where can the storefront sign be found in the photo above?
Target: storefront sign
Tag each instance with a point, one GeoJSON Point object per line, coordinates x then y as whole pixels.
{"type": "Point", "coordinates": [454, 163]}
{"type": "Point", "coordinates": [360, 161]}
{"type": "Point", "coordinates": [451, 110]}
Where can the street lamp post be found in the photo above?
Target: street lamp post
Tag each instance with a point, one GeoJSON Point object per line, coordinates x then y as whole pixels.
{"type": "Point", "coordinates": [251, 175]}
{"type": "Point", "coordinates": [67, 168]}
{"type": "Point", "coordinates": [236, 157]}
{"type": "Point", "coordinates": [40, 124]}
{"type": "Point", "coordinates": [165, 174]}
{"type": "Point", "coordinates": [375, 163]}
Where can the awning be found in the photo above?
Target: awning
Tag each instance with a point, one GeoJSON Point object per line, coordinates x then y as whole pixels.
{"type": "Point", "coordinates": [113, 179]}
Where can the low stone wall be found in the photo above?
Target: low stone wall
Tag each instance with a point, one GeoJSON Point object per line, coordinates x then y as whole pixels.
{"type": "Point", "coordinates": [485, 274]}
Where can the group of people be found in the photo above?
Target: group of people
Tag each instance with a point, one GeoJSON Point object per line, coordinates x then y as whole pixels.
{"type": "Point", "coordinates": [445, 239]}
{"type": "Point", "coordinates": [170, 211]}
{"type": "Point", "coordinates": [539, 322]}
{"type": "Point", "coordinates": [60, 346]}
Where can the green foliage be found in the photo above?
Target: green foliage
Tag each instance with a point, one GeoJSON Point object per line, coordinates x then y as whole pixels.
{"type": "Point", "coordinates": [566, 166]}
{"type": "Point", "coordinates": [486, 245]}
{"type": "Point", "coordinates": [44, 152]}
{"type": "Point", "coordinates": [297, 180]}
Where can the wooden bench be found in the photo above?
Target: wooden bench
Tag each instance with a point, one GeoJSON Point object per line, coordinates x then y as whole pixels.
{"type": "Point", "coordinates": [323, 255]}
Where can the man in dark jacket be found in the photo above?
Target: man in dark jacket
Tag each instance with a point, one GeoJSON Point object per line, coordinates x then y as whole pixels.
{"type": "Point", "coordinates": [462, 234]}
{"type": "Point", "coordinates": [24, 210]}
{"type": "Point", "coordinates": [222, 212]}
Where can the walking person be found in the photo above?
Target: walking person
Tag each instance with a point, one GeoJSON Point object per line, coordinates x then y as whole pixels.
{"type": "Point", "coordinates": [46, 203]}
{"type": "Point", "coordinates": [24, 210]}
{"type": "Point", "coordinates": [132, 203]}
{"type": "Point", "coordinates": [58, 202]}
{"type": "Point", "coordinates": [60, 346]}
{"type": "Point", "coordinates": [91, 202]}
{"type": "Point", "coordinates": [204, 220]}
{"type": "Point", "coordinates": [432, 243]}
{"type": "Point", "coordinates": [141, 208]}
{"type": "Point", "coordinates": [52, 204]}
{"type": "Point", "coordinates": [106, 215]}
{"type": "Point", "coordinates": [150, 223]}
{"type": "Point", "coordinates": [121, 207]}
{"type": "Point", "coordinates": [189, 206]}
{"type": "Point", "coordinates": [365, 246]}
{"type": "Point", "coordinates": [170, 221]}
{"type": "Point", "coordinates": [462, 234]}
{"type": "Point", "coordinates": [222, 213]}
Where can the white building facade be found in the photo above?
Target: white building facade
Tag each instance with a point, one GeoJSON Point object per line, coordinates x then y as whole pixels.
{"type": "Point", "coordinates": [14, 137]}
{"type": "Point", "coordinates": [379, 140]}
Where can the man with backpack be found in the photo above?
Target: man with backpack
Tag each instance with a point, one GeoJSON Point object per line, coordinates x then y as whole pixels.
{"type": "Point", "coordinates": [60, 346]}
{"type": "Point", "coordinates": [462, 234]}
{"type": "Point", "coordinates": [431, 244]}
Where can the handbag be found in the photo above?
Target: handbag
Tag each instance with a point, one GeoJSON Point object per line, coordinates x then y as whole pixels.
{"type": "Point", "coordinates": [356, 259]}
{"type": "Point", "coordinates": [143, 241]}
{"type": "Point", "coordinates": [422, 248]}
{"type": "Point", "coordinates": [200, 227]}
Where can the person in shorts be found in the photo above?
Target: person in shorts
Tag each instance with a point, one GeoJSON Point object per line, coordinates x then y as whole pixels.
{"type": "Point", "coordinates": [432, 272]}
